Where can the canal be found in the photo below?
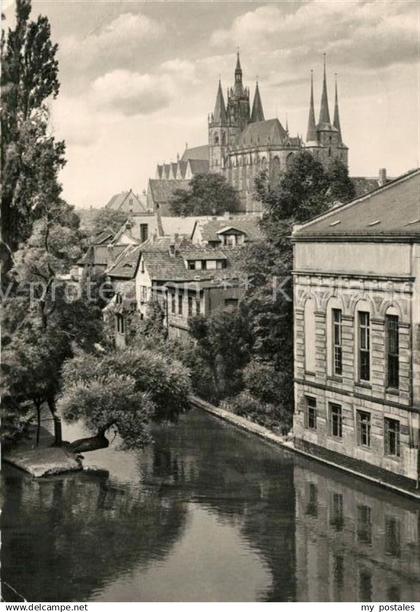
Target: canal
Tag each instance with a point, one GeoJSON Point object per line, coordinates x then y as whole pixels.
{"type": "Point", "coordinates": [206, 513]}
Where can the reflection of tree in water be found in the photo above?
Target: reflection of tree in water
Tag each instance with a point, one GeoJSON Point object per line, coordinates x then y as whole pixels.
{"type": "Point", "coordinates": [64, 537]}
{"type": "Point", "coordinates": [241, 479]}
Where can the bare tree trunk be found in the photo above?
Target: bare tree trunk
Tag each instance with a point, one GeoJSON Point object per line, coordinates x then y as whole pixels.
{"type": "Point", "coordinates": [58, 433]}
{"type": "Point", "coordinates": [38, 421]}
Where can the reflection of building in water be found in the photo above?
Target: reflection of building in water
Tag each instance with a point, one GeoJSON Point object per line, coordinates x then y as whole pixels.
{"type": "Point", "coordinates": [352, 545]}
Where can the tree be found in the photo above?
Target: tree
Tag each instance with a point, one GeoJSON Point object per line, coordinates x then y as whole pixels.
{"type": "Point", "coordinates": [303, 191]}
{"type": "Point", "coordinates": [125, 390]}
{"type": "Point", "coordinates": [341, 187]}
{"type": "Point", "coordinates": [30, 157]}
{"type": "Point", "coordinates": [208, 194]}
{"type": "Point", "coordinates": [223, 343]}
{"type": "Point", "coordinates": [107, 218]}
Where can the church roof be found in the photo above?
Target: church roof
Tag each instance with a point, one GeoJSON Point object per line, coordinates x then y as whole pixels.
{"type": "Point", "coordinates": [219, 114]}
{"type": "Point", "coordinates": [263, 133]}
{"type": "Point", "coordinates": [162, 190]}
{"type": "Point", "coordinates": [201, 152]}
{"type": "Point", "coordinates": [257, 113]}
{"type": "Point", "coordinates": [199, 166]}
{"type": "Point", "coordinates": [391, 212]}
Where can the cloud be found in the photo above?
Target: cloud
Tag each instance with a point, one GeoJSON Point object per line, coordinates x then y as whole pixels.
{"type": "Point", "coordinates": [118, 43]}
{"type": "Point", "coordinates": [131, 93]}
{"type": "Point", "coordinates": [369, 35]}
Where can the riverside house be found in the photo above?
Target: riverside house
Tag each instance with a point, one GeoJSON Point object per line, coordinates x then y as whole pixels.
{"type": "Point", "coordinates": [357, 333]}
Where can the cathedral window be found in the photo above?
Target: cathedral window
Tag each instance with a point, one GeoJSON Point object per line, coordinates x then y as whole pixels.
{"type": "Point", "coordinates": [216, 139]}
{"type": "Point", "coordinates": [223, 138]}
{"type": "Point", "coordinates": [329, 151]}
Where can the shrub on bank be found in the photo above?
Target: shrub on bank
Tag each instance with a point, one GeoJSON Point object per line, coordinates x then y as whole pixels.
{"type": "Point", "coordinates": [268, 415]}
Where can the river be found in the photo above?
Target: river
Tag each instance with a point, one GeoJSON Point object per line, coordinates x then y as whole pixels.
{"type": "Point", "coordinates": [206, 513]}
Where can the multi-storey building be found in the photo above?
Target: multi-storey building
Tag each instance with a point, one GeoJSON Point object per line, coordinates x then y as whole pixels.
{"type": "Point", "coordinates": [357, 333]}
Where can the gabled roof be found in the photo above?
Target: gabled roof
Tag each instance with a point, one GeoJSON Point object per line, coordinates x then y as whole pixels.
{"type": "Point", "coordinates": [263, 133]}
{"type": "Point", "coordinates": [390, 213]}
{"type": "Point", "coordinates": [127, 200]}
{"type": "Point", "coordinates": [125, 266]}
{"type": "Point", "coordinates": [247, 224]}
{"type": "Point", "coordinates": [201, 152]}
{"type": "Point", "coordinates": [183, 226]}
{"type": "Point", "coordinates": [103, 237]}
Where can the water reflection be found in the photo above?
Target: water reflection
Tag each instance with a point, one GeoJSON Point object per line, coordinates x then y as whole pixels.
{"type": "Point", "coordinates": [207, 513]}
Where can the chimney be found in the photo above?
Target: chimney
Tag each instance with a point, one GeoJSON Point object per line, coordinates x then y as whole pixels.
{"type": "Point", "coordinates": [382, 177]}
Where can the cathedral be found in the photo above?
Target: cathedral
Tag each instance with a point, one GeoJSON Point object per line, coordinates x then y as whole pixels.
{"type": "Point", "coordinates": [242, 143]}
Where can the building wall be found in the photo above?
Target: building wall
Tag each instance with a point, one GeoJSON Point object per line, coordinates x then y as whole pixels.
{"type": "Point", "coordinates": [377, 294]}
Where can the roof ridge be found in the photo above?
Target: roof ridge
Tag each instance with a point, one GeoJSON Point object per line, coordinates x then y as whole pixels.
{"type": "Point", "coordinates": [366, 196]}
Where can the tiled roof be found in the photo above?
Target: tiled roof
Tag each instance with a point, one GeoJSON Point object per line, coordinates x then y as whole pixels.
{"type": "Point", "coordinates": [263, 133]}
{"type": "Point", "coordinates": [125, 266]}
{"type": "Point", "coordinates": [162, 190]}
{"type": "Point", "coordinates": [133, 227]}
{"type": "Point", "coordinates": [104, 236]}
{"type": "Point", "coordinates": [201, 152]}
{"type": "Point", "coordinates": [199, 166]}
{"type": "Point", "coordinates": [99, 255]}
{"type": "Point", "coordinates": [244, 223]}
{"type": "Point", "coordinates": [127, 200]}
{"type": "Point", "coordinates": [390, 212]}
{"type": "Point", "coordinates": [161, 266]}
{"type": "Point", "coordinates": [181, 225]}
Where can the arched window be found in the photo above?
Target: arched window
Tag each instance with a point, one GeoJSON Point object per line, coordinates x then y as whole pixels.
{"type": "Point", "coordinates": [309, 334]}
{"type": "Point", "coordinates": [223, 138]}
{"type": "Point", "coordinates": [329, 151]}
{"type": "Point", "coordinates": [275, 168]}
{"type": "Point", "coordinates": [334, 324]}
{"type": "Point", "coordinates": [216, 139]}
{"type": "Point", "coordinates": [392, 348]}
{"type": "Point", "coordinates": [363, 341]}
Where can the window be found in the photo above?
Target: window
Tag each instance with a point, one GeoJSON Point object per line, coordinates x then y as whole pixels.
{"type": "Point", "coordinates": [365, 585]}
{"type": "Point", "coordinates": [144, 232]}
{"type": "Point", "coordinates": [392, 437]}
{"type": "Point", "coordinates": [142, 265]}
{"type": "Point", "coordinates": [173, 303]}
{"type": "Point", "coordinates": [337, 342]}
{"type": "Point", "coordinates": [337, 513]}
{"type": "Point", "coordinates": [364, 524]}
{"type": "Point", "coordinates": [312, 497]}
{"type": "Point", "coordinates": [120, 324]}
{"type": "Point", "coordinates": [231, 303]}
{"type": "Point", "coordinates": [364, 346]}
{"type": "Point", "coordinates": [190, 306]}
{"type": "Point", "coordinates": [363, 428]}
{"type": "Point", "coordinates": [309, 330]}
{"type": "Point", "coordinates": [191, 265]}
{"type": "Point", "coordinates": [310, 414]}
{"type": "Point", "coordinates": [336, 421]}
{"type": "Point", "coordinates": [204, 264]}
{"type": "Point", "coordinates": [180, 303]}
{"type": "Point", "coordinates": [392, 536]}
{"type": "Point", "coordinates": [197, 306]}
{"type": "Point", "coordinates": [392, 350]}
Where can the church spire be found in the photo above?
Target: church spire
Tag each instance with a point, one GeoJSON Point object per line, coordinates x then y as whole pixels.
{"type": "Point", "coordinates": [336, 121]}
{"type": "Point", "coordinates": [324, 113]}
{"type": "Point", "coordinates": [311, 133]}
{"type": "Point", "coordinates": [257, 113]}
{"type": "Point", "coordinates": [219, 115]}
{"type": "Point", "coordinates": [239, 88]}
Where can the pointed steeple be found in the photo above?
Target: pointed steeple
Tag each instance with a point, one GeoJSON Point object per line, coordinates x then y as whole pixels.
{"type": "Point", "coordinates": [238, 88]}
{"type": "Point", "coordinates": [336, 121]}
{"type": "Point", "coordinates": [219, 115]}
{"type": "Point", "coordinates": [324, 113]}
{"type": "Point", "coordinates": [311, 133]}
{"type": "Point", "coordinates": [257, 113]}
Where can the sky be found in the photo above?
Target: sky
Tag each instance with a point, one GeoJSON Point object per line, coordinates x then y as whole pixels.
{"type": "Point", "coordinates": [138, 79]}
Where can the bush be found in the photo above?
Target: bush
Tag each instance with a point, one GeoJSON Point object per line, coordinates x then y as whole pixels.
{"type": "Point", "coordinates": [264, 413]}
{"type": "Point", "coordinates": [263, 381]}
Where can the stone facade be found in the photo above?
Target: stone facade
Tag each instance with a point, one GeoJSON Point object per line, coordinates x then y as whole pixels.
{"type": "Point", "coordinates": [357, 320]}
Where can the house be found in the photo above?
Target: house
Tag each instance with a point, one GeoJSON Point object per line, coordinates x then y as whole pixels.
{"type": "Point", "coordinates": [229, 230]}
{"type": "Point", "coordinates": [357, 334]}
{"type": "Point", "coordinates": [127, 201]}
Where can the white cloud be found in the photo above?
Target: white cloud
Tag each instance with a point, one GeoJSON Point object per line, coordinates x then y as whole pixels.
{"type": "Point", "coordinates": [367, 34]}
{"type": "Point", "coordinates": [112, 45]}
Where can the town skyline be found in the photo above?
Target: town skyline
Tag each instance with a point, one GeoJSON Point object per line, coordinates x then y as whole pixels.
{"type": "Point", "coordinates": [138, 80]}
